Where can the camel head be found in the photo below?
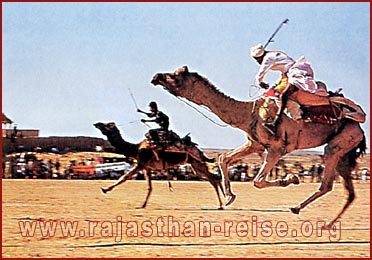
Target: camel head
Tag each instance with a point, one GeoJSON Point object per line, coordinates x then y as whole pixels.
{"type": "Point", "coordinates": [180, 83]}
{"type": "Point", "coordinates": [106, 129]}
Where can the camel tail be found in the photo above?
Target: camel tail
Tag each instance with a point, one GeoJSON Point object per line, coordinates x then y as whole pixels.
{"type": "Point", "coordinates": [357, 152]}
{"type": "Point", "coordinates": [362, 146]}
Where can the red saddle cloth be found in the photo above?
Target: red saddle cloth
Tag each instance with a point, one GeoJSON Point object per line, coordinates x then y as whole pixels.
{"type": "Point", "coordinates": [270, 93]}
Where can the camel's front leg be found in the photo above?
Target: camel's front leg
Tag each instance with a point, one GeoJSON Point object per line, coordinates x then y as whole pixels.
{"type": "Point", "coordinates": [170, 187]}
{"type": "Point", "coordinates": [271, 159]}
{"type": "Point", "coordinates": [122, 179]}
{"type": "Point", "coordinates": [225, 160]}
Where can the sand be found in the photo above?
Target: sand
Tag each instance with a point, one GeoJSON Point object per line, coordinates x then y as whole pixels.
{"type": "Point", "coordinates": [183, 223]}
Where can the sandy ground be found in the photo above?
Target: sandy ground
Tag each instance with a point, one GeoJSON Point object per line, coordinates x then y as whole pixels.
{"type": "Point", "coordinates": [183, 223]}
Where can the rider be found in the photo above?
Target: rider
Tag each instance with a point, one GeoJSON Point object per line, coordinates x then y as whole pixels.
{"type": "Point", "coordinates": [163, 121]}
{"type": "Point", "coordinates": [160, 118]}
{"type": "Point", "coordinates": [293, 73]}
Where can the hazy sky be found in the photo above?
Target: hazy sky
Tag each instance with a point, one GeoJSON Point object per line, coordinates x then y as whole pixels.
{"type": "Point", "coordinates": [68, 65]}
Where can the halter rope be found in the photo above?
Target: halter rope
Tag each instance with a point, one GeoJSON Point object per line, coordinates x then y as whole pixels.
{"type": "Point", "coordinates": [200, 112]}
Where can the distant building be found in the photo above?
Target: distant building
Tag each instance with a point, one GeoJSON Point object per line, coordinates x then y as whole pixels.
{"type": "Point", "coordinates": [6, 120]}
{"type": "Point", "coordinates": [9, 129]}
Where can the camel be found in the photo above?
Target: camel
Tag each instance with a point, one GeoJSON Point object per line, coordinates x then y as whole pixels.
{"type": "Point", "coordinates": [148, 160]}
{"type": "Point", "coordinates": [344, 138]}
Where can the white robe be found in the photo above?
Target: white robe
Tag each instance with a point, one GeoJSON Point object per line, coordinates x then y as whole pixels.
{"type": "Point", "coordinates": [299, 73]}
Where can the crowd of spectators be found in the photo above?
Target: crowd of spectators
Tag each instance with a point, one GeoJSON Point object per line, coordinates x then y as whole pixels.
{"type": "Point", "coordinates": [28, 165]}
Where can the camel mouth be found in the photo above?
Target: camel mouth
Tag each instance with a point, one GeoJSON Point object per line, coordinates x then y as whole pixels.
{"type": "Point", "coordinates": [98, 125]}
{"type": "Point", "coordinates": [102, 126]}
{"type": "Point", "coordinates": [156, 80]}
{"type": "Point", "coordinates": [161, 80]}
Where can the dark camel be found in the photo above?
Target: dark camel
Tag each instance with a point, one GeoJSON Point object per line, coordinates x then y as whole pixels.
{"type": "Point", "coordinates": [148, 160]}
{"type": "Point", "coordinates": [345, 139]}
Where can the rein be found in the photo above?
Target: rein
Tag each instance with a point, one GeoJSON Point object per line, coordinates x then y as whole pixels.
{"type": "Point", "coordinates": [200, 112]}
{"type": "Point", "coordinates": [134, 121]}
{"type": "Point", "coordinates": [130, 122]}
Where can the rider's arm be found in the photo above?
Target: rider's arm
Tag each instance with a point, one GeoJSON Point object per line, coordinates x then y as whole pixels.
{"type": "Point", "coordinates": [267, 63]}
{"type": "Point", "coordinates": [144, 120]}
{"type": "Point", "coordinates": [143, 112]}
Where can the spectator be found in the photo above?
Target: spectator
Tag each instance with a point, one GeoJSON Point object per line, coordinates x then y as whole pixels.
{"type": "Point", "coordinates": [319, 172]}
{"type": "Point", "coordinates": [312, 172]}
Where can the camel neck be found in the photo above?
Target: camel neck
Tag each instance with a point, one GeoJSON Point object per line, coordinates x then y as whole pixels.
{"type": "Point", "coordinates": [231, 111]}
{"type": "Point", "coordinates": [122, 146]}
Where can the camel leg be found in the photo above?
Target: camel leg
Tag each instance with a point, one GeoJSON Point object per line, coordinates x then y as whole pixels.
{"type": "Point", "coordinates": [260, 181]}
{"type": "Point", "coordinates": [344, 168]}
{"type": "Point", "coordinates": [170, 187]}
{"type": "Point", "coordinates": [225, 160]}
{"type": "Point", "coordinates": [216, 185]}
{"type": "Point", "coordinates": [201, 168]}
{"type": "Point", "coordinates": [148, 173]}
{"type": "Point", "coordinates": [122, 179]}
{"type": "Point", "coordinates": [349, 190]}
{"type": "Point", "coordinates": [335, 156]}
{"type": "Point", "coordinates": [169, 183]}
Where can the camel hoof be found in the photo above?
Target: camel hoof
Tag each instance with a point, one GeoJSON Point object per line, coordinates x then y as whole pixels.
{"type": "Point", "coordinates": [220, 208]}
{"type": "Point", "coordinates": [104, 190]}
{"type": "Point", "coordinates": [231, 200]}
{"type": "Point", "coordinates": [295, 180]}
{"type": "Point", "coordinates": [330, 226]}
{"type": "Point", "coordinates": [292, 179]}
{"type": "Point", "coordinates": [295, 210]}
{"type": "Point", "coordinates": [327, 227]}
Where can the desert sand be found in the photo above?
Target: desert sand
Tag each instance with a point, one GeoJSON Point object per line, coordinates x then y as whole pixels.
{"type": "Point", "coordinates": [183, 223]}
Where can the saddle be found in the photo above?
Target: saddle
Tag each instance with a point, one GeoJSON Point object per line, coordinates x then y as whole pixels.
{"type": "Point", "coordinates": [162, 139]}
{"type": "Point", "coordinates": [169, 141]}
{"type": "Point", "coordinates": [340, 107]}
{"type": "Point", "coordinates": [322, 114]}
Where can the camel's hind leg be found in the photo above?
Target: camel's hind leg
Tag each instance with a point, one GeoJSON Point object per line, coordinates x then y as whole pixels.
{"type": "Point", "coordinates": [344, 168]}
{"type": "Point", "coordinates": [336, 153]}
{"type": "Point", "coordinates": [170, 187]}
{"type": "Point", "coordinates": [201, 168]}
{"type": "Point", "coordinates": [148, 174]}
{"type": "Point", "coordinates": [349, 191]}
{"type": "Point", "coordinates": [229, 158]}
{"type": "Point", "coordinates": [122, 179]}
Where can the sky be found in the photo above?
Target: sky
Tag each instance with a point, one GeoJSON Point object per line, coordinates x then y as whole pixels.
{"type": "Point", "coordinates": [66, 66]}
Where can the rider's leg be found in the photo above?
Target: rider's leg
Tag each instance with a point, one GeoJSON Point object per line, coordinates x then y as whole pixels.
{"type": "Point", "coordinates": [154, 135]}
{"type": "Point", "coordinates": [281, 89]}
{"type": "Point", "coordinates": [271, 126]}
{"type": "Point", "coordinates": [302, 97]}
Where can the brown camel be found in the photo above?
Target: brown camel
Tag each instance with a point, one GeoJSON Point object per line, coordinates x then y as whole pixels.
{"type": "Point", "coordinates": [344, 138]}
{"type": "Point", "coordinates": [148, 160]}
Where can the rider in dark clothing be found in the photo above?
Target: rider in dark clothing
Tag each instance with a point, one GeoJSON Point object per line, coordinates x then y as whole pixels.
{"type": "Point", "coordinates": [163, 121]}
{"type": "Point", "coordinates": [160, 118]}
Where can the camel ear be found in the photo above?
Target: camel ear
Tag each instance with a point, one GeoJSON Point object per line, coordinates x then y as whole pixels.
{"type": "Point", "coordinates": [185, 69]}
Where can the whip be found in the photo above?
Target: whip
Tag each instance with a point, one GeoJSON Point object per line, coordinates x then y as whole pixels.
{"type": "Point", "coordinates": [276, 31]}
{"type": "Point", "coordinates": [135, 103]}
{"type": "Point", "coordinates": [270, 40]}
